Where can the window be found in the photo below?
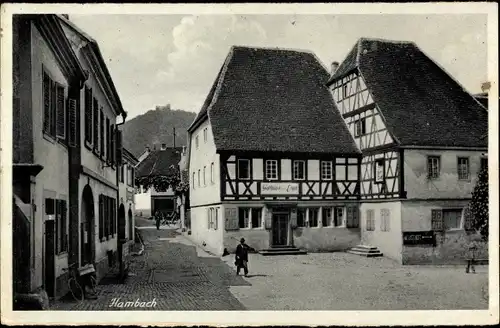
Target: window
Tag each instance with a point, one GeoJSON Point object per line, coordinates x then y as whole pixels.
{"type": "Point", "coordinates": [352, 220]}
{"type": "Point", "coordinates": [256, 217]}
{"type": "Point", "coordinates": [58, 208]}
{"type": "Point", "coordinates": [205, 176]}
{"type": "Point", "coordinates": [197, 142]}
{"type": "Point", "coordinates": [463, 168]}
{"type": "Point", "coordinates": [299, 170]}
{"type": "Point", "coordinates": [271, 169]}
{"type": "Point", "coordinates": [244, 217]}
{"type": "Point", "coordinates": [243, 169]}
{"type": "Point", "coordinates": [437, 220]}
{"type": "Point", "coordinates": [107, 217]}
{"type": "Point", "coordinates": [216, 221]}
{"type": "Point", "coordinates": [344, 90]}
{"type": "Point", "coordinates": [385, 219]}
{"type": "Point", "coordinates": [338, 219]}
{"type": "Point", "coordinates": [379, 171]}
{"type": "Point", "coordinates": [205, 135]}
{"type": "Point", "coordinates": [107, 152]}
{"type": "Point", "coordinates": [210, 212]}
{"type": "Point", "coordinates": [212, 173]}
{"type": "Point", "coordinates": [130, 176]}
{"type": "Point", "coordinates": [370, 220]}
{"type": "Point", "coordinates": [122, 173]}
{"type": "Point", "coordinates": [199, 180]}
{"type": "Point", "coordinates": [88, 115]}
{"type": "Point", "coordinates": [433, 167]}
{"type": "Point", "coordinates": [54, 109]}
{"type": "Point", "coordinates": [313, 217]}
{"type": "Point", "coordinates": [360, 127]}
{"type": "Point", "coordinates": [193, 183]}
{"type": "Point", "coordinates": [326, 170]}
{"type": "Point", "coordinates": [452, 218]}
{"type": "Point", "coordinates": [484, 163]}
{"type": "Point", "coordinates": [301, 217]}
{"type": "Point", "coordinates": [96, 125]}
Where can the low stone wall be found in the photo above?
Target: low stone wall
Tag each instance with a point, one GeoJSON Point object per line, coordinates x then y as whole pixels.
{"type": "Point", "coordinates": [326, 239]}
{"type": "Point", "coordinates": [452, 247]}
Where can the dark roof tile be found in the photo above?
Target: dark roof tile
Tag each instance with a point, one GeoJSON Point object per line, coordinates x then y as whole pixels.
{"type": "Point", "coordinates": [159, 162]}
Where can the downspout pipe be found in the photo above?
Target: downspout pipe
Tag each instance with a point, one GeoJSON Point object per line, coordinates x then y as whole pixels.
{"type": "Point", "coordinates": [119, 241]}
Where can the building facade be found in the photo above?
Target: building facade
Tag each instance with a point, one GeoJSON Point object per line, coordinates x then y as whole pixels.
{"type": "Point", "coordinates": [163, 161]}
{"type": "Point", "coordinates": [46, 76]}
{"type": "Point", "coordinates": [423, 142]}
{"type": "Point", "coordinates": [275, 165]}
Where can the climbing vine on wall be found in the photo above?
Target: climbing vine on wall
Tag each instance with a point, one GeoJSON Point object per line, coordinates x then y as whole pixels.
{"type": "Point", "coordinates": [479, 204]}
{"type": "Point", "coordinates": [161, 183]}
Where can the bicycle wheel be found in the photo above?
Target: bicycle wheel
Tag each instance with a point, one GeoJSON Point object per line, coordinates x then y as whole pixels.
{"type": "Point", "coordinates": [93, 285]}
{"type": "Point", "coordinates": [75, 289]}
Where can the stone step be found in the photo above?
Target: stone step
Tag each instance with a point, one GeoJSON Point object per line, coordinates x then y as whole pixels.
{"type": "Point", "coordinates": [282, 251]}
{"type": "Point", "coordinates": [365, 250]}
{"type": "Point", "coordinates": [367, 247]}
{"type": "Point", "coordinates": [367, 254]}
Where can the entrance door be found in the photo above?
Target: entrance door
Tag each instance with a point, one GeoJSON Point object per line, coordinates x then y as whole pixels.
{"type": "Point", "coordinates": [49, 265]}
{"type": "Point", "coordinates": [280, 229]}
{"type": "Point", "coordinates": [87, 227]}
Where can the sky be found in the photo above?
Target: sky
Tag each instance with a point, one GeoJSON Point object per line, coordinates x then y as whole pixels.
{"type": "Point", "coordinates": [156, 60]}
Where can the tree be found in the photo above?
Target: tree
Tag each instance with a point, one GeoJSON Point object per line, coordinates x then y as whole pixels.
{"type": "Point", "coordinates": [479, 205]}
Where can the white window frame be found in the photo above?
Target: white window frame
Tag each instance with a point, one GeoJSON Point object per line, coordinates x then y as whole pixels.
{"type": "Point", "coordinates": [376, 163]}
{"type": "Point", "coordinates": [324, 176]}
{"type": "Point", "coordinates": [385, 220]}
{"type": "Point", "coordinates": [460, 171]}
{"type": "Point", "coordinates": [240, 160]}
{"type": "Point", "coordinates": [343, 223]}
{"type": "Point", "coordinates": [205, 176]}
{"type": "Point", "coordinates": [434, 166]}
{"type": "Point", "coordinates": [269, 169]}
{"type": "Point", "coordinates": [296, 167]}
{"type": "Point", "coordinates": [370, 218]}
{"type": "Point", "coordinates": [248, 211]}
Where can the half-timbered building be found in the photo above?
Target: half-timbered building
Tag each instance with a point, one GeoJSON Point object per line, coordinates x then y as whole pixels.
{"type": "Point", "coordinates": [423, 141]}
{"type": "Point", "coordinates": [271, 159]}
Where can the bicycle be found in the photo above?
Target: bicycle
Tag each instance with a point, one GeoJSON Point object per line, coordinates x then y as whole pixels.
{"type": "Point", "coordinates": [74, 286]}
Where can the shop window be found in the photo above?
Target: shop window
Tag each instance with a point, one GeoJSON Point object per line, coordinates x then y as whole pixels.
{"type": "Point", "coordinates": [338, 217]}
{"type": "Point", "coordinates": [313, 217]}
{"type": "Point", "coordinates": [326, 216]}
{"type": "Point", "coordinates": [244, 218]}
{"type": "Point", "coordinates": [256, 217]}
{"type": "Point", "coordinates": [301, 217]}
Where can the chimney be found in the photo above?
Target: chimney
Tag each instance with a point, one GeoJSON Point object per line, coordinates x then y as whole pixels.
{"type": "Point", "coordinates": [486, 86]}
{"type": "Point", "coordinates": [163, 146]}
{"type": "Point", "coordinates": [335, 66]}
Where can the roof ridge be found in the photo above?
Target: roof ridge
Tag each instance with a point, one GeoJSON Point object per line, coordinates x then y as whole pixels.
{"type": "Point", "coordinates": [298, 50]}
{"type": "Point", "coordinates": [385, 40]}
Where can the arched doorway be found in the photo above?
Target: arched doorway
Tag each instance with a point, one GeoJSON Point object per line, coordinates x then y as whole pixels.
{"type": "Point", "coordinates": [121, 223]}
{"type": "Point", "coordinates": [87, 245]}
{"type": "Point", "coordinates": [130, 225]}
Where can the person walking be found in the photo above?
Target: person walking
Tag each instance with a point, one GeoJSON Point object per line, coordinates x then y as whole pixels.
{"type": "Point", "coordinates": [158, 220]}
{"type": "Point", "coordinates": [242, 257]}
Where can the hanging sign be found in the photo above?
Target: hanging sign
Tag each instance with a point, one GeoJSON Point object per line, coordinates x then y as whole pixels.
{"type": "Point", "coordinates": [278, 188]}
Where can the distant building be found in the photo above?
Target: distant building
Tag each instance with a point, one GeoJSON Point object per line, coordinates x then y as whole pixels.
{"type": "Point", "coordinates": [270, 158]}
{"type": "Point", "coordinates": [158, 162]}
{"type": "Point", "coordinates": [424, 140]}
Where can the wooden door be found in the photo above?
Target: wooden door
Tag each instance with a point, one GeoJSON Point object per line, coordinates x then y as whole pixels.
{"type": "Point", "coordinates": [280, 229]}
{"type": "Point", "coordinates": [49, 265]}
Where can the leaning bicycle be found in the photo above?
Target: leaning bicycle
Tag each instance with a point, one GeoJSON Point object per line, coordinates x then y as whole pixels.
{"type": "Point", "coordinates": [74, 286]}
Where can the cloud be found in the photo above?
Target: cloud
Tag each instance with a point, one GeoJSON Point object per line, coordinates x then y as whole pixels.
{"type": "Point", "coordinates": [201, 45]}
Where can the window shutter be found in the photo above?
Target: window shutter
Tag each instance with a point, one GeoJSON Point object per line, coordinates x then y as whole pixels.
{"type": "Point", "coordinates": [88, 115]}
{"type": "Point", "coordinates": [46, 103]}
{"type": "Point", "coordinates": [72, 128]}
{"type": "Point", "coordinates": [231, 218]}
{"type": "Point", "coordinates": [216, 219]}
{"type": "Point", "coordinates": [349, 216]}
{"type": "Point", "coordinates": [208, 217]}
{"type": "Point", "coordinates": [101, 217]}
{"type": "Point", "coordinates": [355, 215]}
{"type": "Point", "coordinates": [61, 113]}
{"type": "Point", "coordinates": [102, 123]}
{"type": "Point", "coordinates": [437, 220]}
{"type": "Point", "coordinates": [108, 141]}
{"type": "Point", "coordinates": [119, 150]}
{"type": "Point", "coordinates": [53, 108]}
{"type": "Point", "coordinates": [468, 219]}
{"type": "Point", "coordinates": [268, 220]}
{"type": "Point", "coordinates": [96, 124]}
{"type": "Point", "coordinates": [58, 225]}
{"type": "Point", "coordinates": [112, 149]}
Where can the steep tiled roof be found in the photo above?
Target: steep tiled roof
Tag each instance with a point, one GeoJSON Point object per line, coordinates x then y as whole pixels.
{"type": "Point", "coordinates": [159, 162]}
{"type": "Point", "coordinates": [421, 103]}
{"type": "Point", "coordinates": [275, 100]}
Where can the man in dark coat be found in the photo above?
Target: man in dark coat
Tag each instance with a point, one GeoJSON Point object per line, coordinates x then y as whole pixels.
{"type": "Point", "coordinates": [242, 257]}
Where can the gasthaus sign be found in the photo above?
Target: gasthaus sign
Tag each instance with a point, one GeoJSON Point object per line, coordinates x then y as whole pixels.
{"type": "Point", "coordinates": [277, 188]}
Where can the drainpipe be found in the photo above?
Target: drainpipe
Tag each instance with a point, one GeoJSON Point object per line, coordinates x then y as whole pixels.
{"type": "Point", "coordinates": [118, 168]}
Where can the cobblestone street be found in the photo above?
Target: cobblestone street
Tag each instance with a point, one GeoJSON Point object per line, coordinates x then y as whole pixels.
{"type": "Point", "coordinates": [173, 272]}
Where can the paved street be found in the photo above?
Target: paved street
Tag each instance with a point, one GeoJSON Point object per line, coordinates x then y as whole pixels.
{"type": "Point", "coordinates": [173, 272]}
{"type": "Point", "coordinates": [341, 281]}
{"type": "Point", "coordinates": [180, 276]}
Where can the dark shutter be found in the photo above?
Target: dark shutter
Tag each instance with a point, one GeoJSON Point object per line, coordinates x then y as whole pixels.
{"type": "Point", "coordinates": [64, 242]}
{"type": "Point", "coordinates": [61, 113]}
{"type": "Point", "coordinates": [49, 206]}
{"type": "Point", "coordinates": [88, 115]}
{"type": "Point", "coordinates": [58, 225]}
{"type": "Point", "coordinates": [53, 108]}
{"type": "Point", "coordinates": [72, 129]}
{"type": "Point", "coordinates": [231, 219]}
{"type": "Point", "coordinates": [437, 220]}
{"type": "Point", "coordinates": [96, 125]}
{"type": "Point", "coordinates": [108, 141]}
{"type": "Point", "coordinates": [101, 217]}
{"type": "Point", "coordinates": [46, 103]}
{"type": "Point", "coordinates": [112, 149]}
{"type": "Point", "coordinates": [352, 217]}
{"type": "Point", "coordinates": [102, 123]}
{"type": "Point", "coordinates": [119, 149]}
